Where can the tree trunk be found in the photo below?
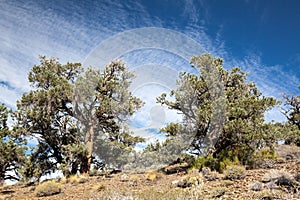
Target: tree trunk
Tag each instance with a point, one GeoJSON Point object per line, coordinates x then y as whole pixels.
{"type": "Point", "coordinates": [2, 175]}
{"type": "Point", "coordinates": [89, 142]}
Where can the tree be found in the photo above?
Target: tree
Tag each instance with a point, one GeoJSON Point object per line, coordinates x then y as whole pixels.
{"type": "Point", "coordinates": [221, 110]}
{"type": "Point", "coordinates": [12, 149]}
{"type": "Point", "coordinates": [292, 113]}
{"type": "Point", "coordinates": [103, 105]}
{"type": "Point", "coordinates": [67, 109]}
{"type": "Point", "coordinates": [45, 113]}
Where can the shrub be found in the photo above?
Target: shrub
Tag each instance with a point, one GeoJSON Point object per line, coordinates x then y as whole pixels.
{"type": "Point", "coordinates": [218, 192]}
{"type": "Point", "coordinates": [194, 179]}
{"type": "Point", "coordinates": [276, 175]}
{"type": "Point", "coordinates": [220, 163]}
{"type": "Point", "coordinates": [47, 188]}
{"type": "Point", "coordinates": [264, 158]}
{"type": "Point", "coordinates": [226, 183]}
{"type": "Point", "coordinates": [152, 176]}
{"type": "Point", "coordinates": [235, 172]}
{"type": "Point", "coordinates": [77, 179]}
{"type": "Point", "coordinates": [204, 161]}
{"type": "Point", "coordinates": [208, 174]}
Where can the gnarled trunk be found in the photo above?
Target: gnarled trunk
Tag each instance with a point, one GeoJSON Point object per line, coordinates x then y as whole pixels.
{"type": "Point", "coordinates": [89, 142]}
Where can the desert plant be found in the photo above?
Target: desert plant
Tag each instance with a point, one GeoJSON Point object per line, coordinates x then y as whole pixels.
{"type": "Point", "coordinates": [235, 172]}
{"type": "Point", "coordinates": [152, 176]}
{"type": "Point", "coordinates": [48, 188]}
{"type": "Point", "coordinates": [264, 158]}
{"type": "Point", "coordinates": [256, 186]}
{"type": "Point", "coordinates": [208, 174]}
{"type": "Point", "coordinates": [218, 192]}
{"type": "Point", "coordinates": [226, 183]}
{"type": "Point", "coordinates": [275, 175]}
{"type": "Point", "coordinates": [77, 179]}
{"type": "Point", "coordinates": [204, 161]}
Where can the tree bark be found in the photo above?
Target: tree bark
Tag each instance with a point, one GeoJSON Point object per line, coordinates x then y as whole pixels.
{"type": "Point", "coordinates": [89, 142]}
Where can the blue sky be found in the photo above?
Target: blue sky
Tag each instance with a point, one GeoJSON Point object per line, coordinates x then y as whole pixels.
{"type": "Point", "coordinates": [261, 37]}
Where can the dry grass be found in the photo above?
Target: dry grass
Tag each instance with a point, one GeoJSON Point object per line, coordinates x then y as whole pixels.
{"type": "Point", "coordinates": [75, 179]}
{"type": "Point", "coordinates": [48, 188]}
{"type": "Point", "coordinates": [154, 175]}
{"type": "Point", "coordinates": [235, 172]}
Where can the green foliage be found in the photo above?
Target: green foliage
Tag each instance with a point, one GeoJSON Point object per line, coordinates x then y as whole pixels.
{"type": "Point", "coordinates": [266, 154]}
{"type": "Point", "coordinates": [225, 159]}
{"type": "Point", "coordinates": [48, 188]}
{"type": "Point", "coordinates": [262, 158]}
{"type": "Point", "coordinates": [12, 149]}
{"type": "Point", "coordinates": [204, 161]}
{"type": "Point", "coordinates": [292, 114]}
{"type": "Point", "coordinates": [75, 154]}
{"type": "Point", "coordinates": [215, 99]}
{"type": "Point", "coordinates": [103, 106]}
{"type": "Point", "coordinates": [67, 110]}
{"type": "Point", "coordinates": [45, 113]}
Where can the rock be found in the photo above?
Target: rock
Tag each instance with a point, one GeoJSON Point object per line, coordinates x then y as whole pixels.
{"type": "Point", "coordinates": [124, 178]}
{"type": "Point", "coordinates": [266, 164]}
{"type": "Point", "coordinates": [175, 182]}
{"type": "Point", "coordinates": [183, 184]}
{"type": "Point", "coordinates": [272, 185]}
{"type": "Point", "coordinates": [208, 174]}
{"type": "Point", "coordinates": [257, 186]}
{"type": "Point", "coordinates": [285, 181]}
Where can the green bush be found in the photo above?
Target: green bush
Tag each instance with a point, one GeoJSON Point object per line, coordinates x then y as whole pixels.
{"type": "Point", "coordinates": [204, 161]}
{"type": "Point", "coordinates": [262, 158]}
{"type": "Point", "coordinates": [220, 164]}
{"type": "Point", "coordinates": [47, 188]}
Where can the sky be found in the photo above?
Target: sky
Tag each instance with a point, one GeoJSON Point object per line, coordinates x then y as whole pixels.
{"type": "Point", "coordinates": [155, 38]}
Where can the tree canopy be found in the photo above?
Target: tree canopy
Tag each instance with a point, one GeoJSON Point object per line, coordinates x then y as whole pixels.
{"type": "Point", "coordinates": [12, 149]}
{"type": "Point", "coordinates": [76, 116]}
{"type": "Point", "coordinates": [65, 113]}
{"type": "Point", "coordinates": [220, 108]}
{"type": "Point", "coordinates": [292, 113]}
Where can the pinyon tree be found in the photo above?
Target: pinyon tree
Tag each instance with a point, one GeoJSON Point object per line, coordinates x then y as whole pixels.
{"type": "Point", "coordinates": [292, 113]}
{"type": "Point", "coordinates": [103, 105]}
{"type": "Point", "coordinates": [12, 149]}
{"type": "Point", "coordinates": [222, 111]}
{"type": "Point", "coordinates": [45, 114]}
{"type": "Point", "coordinates": [66, 111]}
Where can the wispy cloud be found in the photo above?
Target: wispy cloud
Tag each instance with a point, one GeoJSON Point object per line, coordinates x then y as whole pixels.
{"type": "Point", "coordinates": [70, 32]}
{"type": "Point", "coordinates": [66, 31]}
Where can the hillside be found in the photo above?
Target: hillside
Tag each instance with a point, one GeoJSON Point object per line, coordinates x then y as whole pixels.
{"type": "Point", "coordinates": [278, 179]}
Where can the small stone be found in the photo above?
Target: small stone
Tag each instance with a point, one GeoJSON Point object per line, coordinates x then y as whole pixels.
{"type": "Point", "coordinates": [257, 186]}
{"type": "Point", "coordinates": [272, 185]}
{"type": "Point", "coordinates": [124, 178]}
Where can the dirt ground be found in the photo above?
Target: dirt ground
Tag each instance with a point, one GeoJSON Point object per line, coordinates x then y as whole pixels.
{"type": "Point", "coordinates": [158, 185]}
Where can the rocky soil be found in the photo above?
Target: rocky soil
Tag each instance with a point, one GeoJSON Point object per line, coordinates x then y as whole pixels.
{"type": "Point", "coordinates": [275, 180]}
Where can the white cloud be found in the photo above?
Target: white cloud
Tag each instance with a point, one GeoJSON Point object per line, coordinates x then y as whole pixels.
{"type": "Point", "coordinates": [8, 96]}
{"type": "Point", "coordinates": [271, 80]}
